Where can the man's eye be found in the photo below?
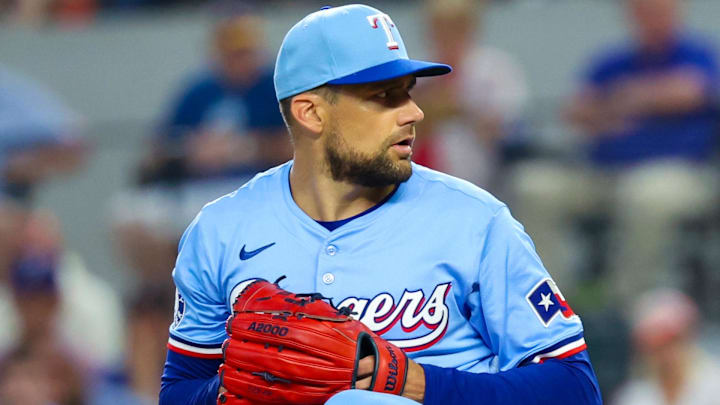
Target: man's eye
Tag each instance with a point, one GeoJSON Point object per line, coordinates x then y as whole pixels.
{"type": "Point", "coordinates": [383, 94]}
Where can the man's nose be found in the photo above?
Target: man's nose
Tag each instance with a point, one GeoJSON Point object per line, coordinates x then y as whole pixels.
{"type": "Point", "coordinates": [410, 114]}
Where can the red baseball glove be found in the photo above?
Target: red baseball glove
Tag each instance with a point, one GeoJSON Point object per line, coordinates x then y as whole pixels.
{"type": "Point", "coordinates": [287, 348]}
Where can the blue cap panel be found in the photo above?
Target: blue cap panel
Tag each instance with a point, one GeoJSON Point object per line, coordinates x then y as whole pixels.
{"type": "Point", "coordinates": [349, 44]}
{"type": "Point", "coordinates": [360, 37]}
{"type": "Point", "coordinates": [302, 63]}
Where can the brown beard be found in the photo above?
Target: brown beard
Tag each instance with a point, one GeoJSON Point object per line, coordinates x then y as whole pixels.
{"type": "Point", "coordinates": [376, 170]}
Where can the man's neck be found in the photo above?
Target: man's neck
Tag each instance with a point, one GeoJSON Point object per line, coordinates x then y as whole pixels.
{"type": "Point", "coordinates": [325, 199]}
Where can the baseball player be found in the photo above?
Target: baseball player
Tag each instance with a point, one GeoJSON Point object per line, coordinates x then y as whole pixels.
{"type": "Point", "coordinates": [430, 263]}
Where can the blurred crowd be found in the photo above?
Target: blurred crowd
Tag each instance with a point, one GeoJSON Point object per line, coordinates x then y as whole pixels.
{"type": "Point", "coordinates": [74, 12]}
{"type": "Point", "coordinates": [611, 218]}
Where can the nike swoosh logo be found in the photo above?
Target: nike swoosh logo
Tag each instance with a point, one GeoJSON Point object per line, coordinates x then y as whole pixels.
{"type": "Point", "coordinates": [249, 254]}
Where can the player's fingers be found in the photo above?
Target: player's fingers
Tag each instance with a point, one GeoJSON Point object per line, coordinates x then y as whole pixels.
{"type": "Point", "coordinates": [363, 384]}
{"type": "Point", "coordinates": [366, 366]}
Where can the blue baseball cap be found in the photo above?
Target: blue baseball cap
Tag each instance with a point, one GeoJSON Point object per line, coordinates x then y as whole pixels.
{"type": "Point", "coordinates": [344, 45]}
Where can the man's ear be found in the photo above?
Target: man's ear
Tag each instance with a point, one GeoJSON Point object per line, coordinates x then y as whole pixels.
{"type": "Point", "coordinates": [310, 111]}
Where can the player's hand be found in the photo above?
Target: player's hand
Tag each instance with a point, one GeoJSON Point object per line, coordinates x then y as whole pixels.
{"type": "Point", "coordinates": [364, 373]}
{"type": "Point", "coordinates": [414, 385]}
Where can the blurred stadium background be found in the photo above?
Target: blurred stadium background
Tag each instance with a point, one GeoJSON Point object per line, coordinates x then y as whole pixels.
{"type": "Point", "coordinates": [117, 66]}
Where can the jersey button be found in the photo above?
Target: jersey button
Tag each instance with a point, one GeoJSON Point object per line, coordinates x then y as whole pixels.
{"type": "Point", "coordinates": [331, 250]}
{"type": "Point", "coordinates": [328, 278]}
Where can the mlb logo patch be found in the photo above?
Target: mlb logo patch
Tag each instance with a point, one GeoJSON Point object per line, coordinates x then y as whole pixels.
{"type": "Point", "coordinates": [547, 302]}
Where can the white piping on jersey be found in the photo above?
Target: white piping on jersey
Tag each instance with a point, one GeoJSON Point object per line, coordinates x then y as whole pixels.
{"type": "Point", "coordinates": [559, 351]}
{"type": "Point", "coordinates": [193, 349]}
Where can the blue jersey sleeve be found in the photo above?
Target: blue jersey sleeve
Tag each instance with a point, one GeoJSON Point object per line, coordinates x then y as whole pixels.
{"type": "Point", "coordinates": [567, 381]}
{"type": "Point", "coordinates": [189, 381]}
{"type": "Point", "coordinates": [515, 305]}
{"type": "Point", "coordinates": [198, 328]}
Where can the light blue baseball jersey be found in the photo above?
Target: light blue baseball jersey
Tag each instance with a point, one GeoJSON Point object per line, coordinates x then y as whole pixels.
{"type": "Point", "coordinates": [441, 269]}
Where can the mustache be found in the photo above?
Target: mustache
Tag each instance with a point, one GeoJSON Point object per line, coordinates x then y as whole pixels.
{"type": "Point", "coordinates": [401, 135]}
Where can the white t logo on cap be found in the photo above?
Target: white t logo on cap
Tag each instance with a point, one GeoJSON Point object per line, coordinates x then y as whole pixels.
{"type": "Point", "coordinates": [386, 23]}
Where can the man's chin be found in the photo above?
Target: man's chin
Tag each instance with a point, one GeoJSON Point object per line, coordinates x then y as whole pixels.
{"type": "Point", "coordinates": [405, 168]}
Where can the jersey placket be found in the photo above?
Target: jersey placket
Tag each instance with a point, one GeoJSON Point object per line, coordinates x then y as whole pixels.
{"type": "Point", "coordinates": [329, 265]}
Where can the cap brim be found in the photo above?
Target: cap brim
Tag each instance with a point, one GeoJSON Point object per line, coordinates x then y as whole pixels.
{"type": "Point", "coordinates": [393, 69]}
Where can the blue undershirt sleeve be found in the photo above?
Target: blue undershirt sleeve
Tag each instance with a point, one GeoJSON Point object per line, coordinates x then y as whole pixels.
{"type": "Point", "coordinates": [189, 380]}
{"type": "Point", "coordinates": [566, 381]}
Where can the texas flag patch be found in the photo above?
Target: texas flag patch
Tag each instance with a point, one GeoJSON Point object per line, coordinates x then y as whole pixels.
{"type": "Point", "coordinates": [547, 302]}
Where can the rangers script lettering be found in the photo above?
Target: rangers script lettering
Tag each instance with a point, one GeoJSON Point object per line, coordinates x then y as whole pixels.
{"type": "Point", "coordinates": [380, 314]}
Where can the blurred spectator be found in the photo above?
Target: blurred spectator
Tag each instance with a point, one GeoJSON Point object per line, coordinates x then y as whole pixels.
{"type": "Point", "coordinates": [474, 113]}
{"type": "Point", "coordinates": [40, 377]}
{"type": "Point", "coordinates": [39, 138]}
{"type": "Point", "coordinates": [226, 122]}
{"type": "Point", "coordinates": [224, 127]}
{"type": "Point", "coordinates": [41, 356]}
{"type": "Point", "coordinates": [12, 218]}
{"type": "Point", "coordinates": [25, 11]}
{"type": "Point", "coordinates": [147, 341]}
{"type": "Point", "coordinates": [153, 3]}
{"type": "Point", "coordinates": [33, 281]}
{"type": "Point", "coordinates": [137, 383]}
{"type": "Point", "coordinates": [648, 113]}
{"type": "Point", "coordinates": [67, 345]}
{"type": "Point", "coordinates": [53, 299]}
{"type": "Point", "coordinates": [39, 135]}
{"type": "Point", "coordinates": [43, 11]}
{"type": "Point", "coordinates": [672, 369]}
